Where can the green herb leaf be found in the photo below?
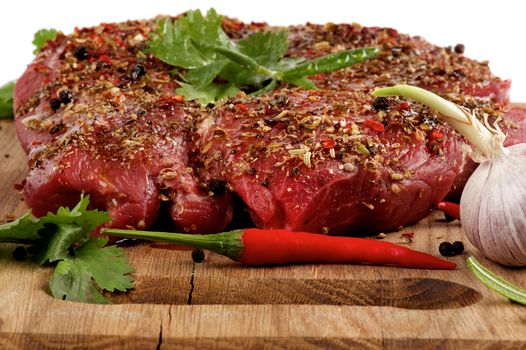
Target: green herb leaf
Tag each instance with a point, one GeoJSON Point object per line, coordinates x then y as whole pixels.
{"type": "Point", "coordinates": [207, 94]}
{"type": "Point", "coordinates": [266, 48]}
{"type": "Point", "coordinates": [80, 277]}
{"type": "Point", "coordinates": [188, 42]}
{"type": "Point", "coordinates": [41, 37]}
{"type": "Point", "coordinates": [84, 266]}
{"type": "Point", "coordinates": [71, 281]}
{"type": "Point", "coordinates": [331, 62]}
{"type": "Point", "coordinates": [23, 230]}
{"type": "Point", "coordinates": [6, 100]}
{"type": "Point", "coordinates": [198, 44]}
{"type": "Point", "coordinates": [496, 283]}
{"type": "Point", "coordinates": [304, 82]}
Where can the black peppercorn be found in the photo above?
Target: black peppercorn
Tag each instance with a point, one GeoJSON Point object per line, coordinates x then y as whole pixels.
{"type": "Point", "coordinates": [65, 96]}
{"type": "Point", "coordinates": [459, 48]}
{"type": "Point", "coordinates": [457, 247]}
{"type": "Point", "coordinates": [445, 249]}
{"type": "Point", "coordinates": [54, 103]}
{"type": "Point", "coordinates": [380, 103]}
{"type": "Point", "coordinates": [19, 253]}
{"type": "Point", "coordinates": [198, 255]}
{"type": "Point", "coordinates": [138, 71]}
{"type": "Point", "coordinates": [80, 53]}
{"type": "Point", "coordinates": [210, 105]}
{"type": "Point", "coordinates": [265, 182]}
{"type": "Point", "coordinates": [451, 249]}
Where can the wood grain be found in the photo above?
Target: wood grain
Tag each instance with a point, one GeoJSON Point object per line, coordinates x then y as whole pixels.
{"type": "Point", "coordinates": [220, 304]}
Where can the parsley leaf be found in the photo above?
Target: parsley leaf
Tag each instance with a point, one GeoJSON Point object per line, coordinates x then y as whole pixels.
{"type": "Point", "coordinates": [188, 42]}
{"type": "Point", "coordinates": [197, 44]}
{"type": "Point", "coordinates": [84, 266]}
{"type": "Point", "coordinates": [79, 278]}
{"type": "Point", "coordinates": [207, 94]}
{"type": "Point", "coordinates": [6, 100]}
{"type": "Point", "coordinates": [41, 37]}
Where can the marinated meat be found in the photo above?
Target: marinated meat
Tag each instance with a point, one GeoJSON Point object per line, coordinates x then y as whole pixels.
{"type": "Point", "coordinates": [97, 115]}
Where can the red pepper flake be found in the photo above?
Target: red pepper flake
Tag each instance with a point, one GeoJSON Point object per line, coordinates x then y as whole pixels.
{"type": "Point", "coordinates": [437, 136]}
{"type": "Point", "coordinates": [407, 234]}
{"type": "Point", "coordinates": [105, 58]}
{"type": "Point", "coordinates": [329, 143]}
{"type": "Point", "coordinates": [96, 39]}
{"type": "Point", "coordinates": [120, 42]}
{"type": "Point", "coordinates": [374, 125]}
{"type": "Point", "coordinates": [404, 105]}
{"type": "Point", "coordinates": [36, 142]}
{"type": "Point", "coordinates": [170, 99]}
{"type": "Point", "coordinates": [242, 107]}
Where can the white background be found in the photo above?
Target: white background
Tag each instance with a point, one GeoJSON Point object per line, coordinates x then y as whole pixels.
{"type": "Point", "coordinates": [490, 30]}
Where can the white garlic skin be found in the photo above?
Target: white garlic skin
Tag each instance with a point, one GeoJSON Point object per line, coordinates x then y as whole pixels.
{"type": "Point", "coordinates": [493, 207]}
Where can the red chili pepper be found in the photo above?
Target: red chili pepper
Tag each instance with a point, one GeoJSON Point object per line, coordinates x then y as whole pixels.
{"type": "Point", "coordinates": [449, 208]}
{"type": "Point", "coordinates": [271, 247]}
{"type": "Point", "coordinates": [376, 126]}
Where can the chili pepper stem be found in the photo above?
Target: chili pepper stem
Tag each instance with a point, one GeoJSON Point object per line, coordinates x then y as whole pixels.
{"type": "Point", "coordinates": [229, 244]}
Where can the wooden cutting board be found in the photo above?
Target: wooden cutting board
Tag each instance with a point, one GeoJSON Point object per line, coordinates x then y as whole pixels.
{"type": "Point", "coordinates": [223, 305]}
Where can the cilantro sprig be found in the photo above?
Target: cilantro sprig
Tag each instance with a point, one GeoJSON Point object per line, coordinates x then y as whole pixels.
{"type": "Point", "coordinates": [216, 67]}
{"type": "Point", "coordinates": [84, 267]}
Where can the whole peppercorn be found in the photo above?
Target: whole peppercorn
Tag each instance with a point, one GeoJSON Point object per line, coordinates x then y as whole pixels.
{"type": "Point", "coordinates": [445, 249]}
{"type": "Point", "coordinates": [459, 48]}
{"type": "Point", "coordinates": [54, 103]}
{"type": "Point", "coordinates": [65, 97]}
{"type": "Point", "coordinates": [451, 249]}
{"type": "Point", "coordinates": [457, 247]}
{"type": "Point", "coordinates": [380, 103]}
{"type": "Point", "coordinates": [138, 71]}
{"type": "Point", "coordinates": [80, 53]}
{"type": "Point", "coordinates": [198, 255]}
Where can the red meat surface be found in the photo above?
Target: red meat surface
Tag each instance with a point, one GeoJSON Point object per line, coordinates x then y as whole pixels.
{"type": "Point", "coordinates": [97, 115]}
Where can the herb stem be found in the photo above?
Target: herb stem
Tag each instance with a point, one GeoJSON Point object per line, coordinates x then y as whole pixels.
{"type": "Point", "coordinates": [465, 123]}
{"type": "Point", "coordinates": [244, 60]}
{"type": "Point", "coordinates": [495, 282]}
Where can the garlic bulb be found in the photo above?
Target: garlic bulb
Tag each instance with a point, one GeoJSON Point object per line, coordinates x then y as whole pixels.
{"type": "Point", "coordinates": [493, 203]}
{"type": "Point", "coordinates": [493, 207]}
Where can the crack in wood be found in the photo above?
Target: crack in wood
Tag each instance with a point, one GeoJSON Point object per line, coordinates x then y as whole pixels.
{"type": "Point", "coordinates": [191, 285]}
{"type": "Point", "coordinates": [160, 341]}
